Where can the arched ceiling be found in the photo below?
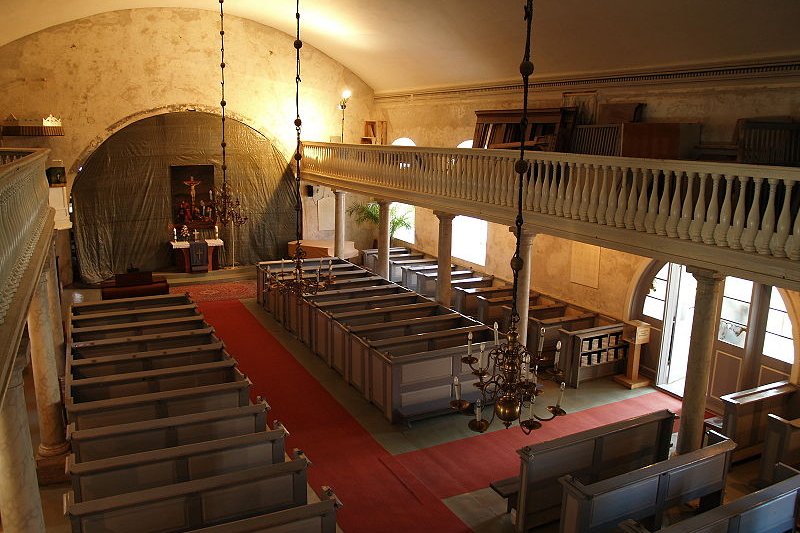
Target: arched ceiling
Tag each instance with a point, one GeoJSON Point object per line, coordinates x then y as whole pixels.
{"type": "Point", "coordinates": [398, 45]}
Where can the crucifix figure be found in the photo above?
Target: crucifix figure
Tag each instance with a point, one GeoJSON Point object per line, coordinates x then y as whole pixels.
{"type": "Point", "coordinates": [192, 184]}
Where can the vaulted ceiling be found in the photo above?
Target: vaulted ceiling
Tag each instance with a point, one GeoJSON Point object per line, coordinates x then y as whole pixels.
{"type": "Point", "coordinates": [397, 45]}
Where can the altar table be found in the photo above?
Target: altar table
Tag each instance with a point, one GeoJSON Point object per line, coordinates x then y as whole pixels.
{"type": "Point", "coordinates": [182, 254]}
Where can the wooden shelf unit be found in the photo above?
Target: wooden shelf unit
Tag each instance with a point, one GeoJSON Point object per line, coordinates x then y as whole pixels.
{"type": "Point", "coordinates": [592, 353]}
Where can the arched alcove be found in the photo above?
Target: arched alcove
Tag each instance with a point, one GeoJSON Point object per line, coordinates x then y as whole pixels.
{"type": "Point", "coordinates": [122, 196]}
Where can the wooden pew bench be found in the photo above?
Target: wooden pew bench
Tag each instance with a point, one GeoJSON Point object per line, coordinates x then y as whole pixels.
{"type": "Point", "coordinates": [194, 504]}
{"type": "Point", "coordinates": [144, 302]}
{"type": "Point", "coordinates": [594, 454]}
{"type": "Point", "coordinates": [465, 299]}
{"type": "Point", "coordinates": [781, 445]}
{"type": "Point", "coordinates": [396, 266]}
{"type": "Point", "coordinates": [772, 509]}
{"type": "Point", "coordinates": [148, 327]}
{"type": "Point", "coordinates": [369, 257]}
{"type": "Point", "coordinates": [153, 360]}
{"type": "Point", "coordinates": [130, 473]}
{"type": "Point", "coordinates": [149, 406]}
{"type": "Point", "coordinates": [427, 280]}
{"type": "Point", "coordinates": [646, 492]}
{"type": "Point", "coordinates": [745, 414]}
{"type": "Point", "coordinates": [409, 274]}
{"type": "Point", "coordinates": [268, 298]}
{"type": "Point", "coordinates": [318, 517]}
{"type": "Point", "coordinates": [489, 308]}
{"type": "Point", "coordinates": [133, 315]}
{"type": "Point", "coordinates": [141, 343]}
{"type": "Point", "coordinates": [135, 437]}
{"type": "Point", "coordinates": [544, 333]}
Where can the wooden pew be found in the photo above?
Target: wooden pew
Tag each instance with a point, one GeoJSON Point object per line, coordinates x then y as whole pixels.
{"type": "Point", "coordinates": [409, 274]}
{"type": "Point", "coordinates": [148, 327]}
{"type": "Point", "coordinates": [646, 492]}
{"type": "Point", "coordinates": [318, 517]}
{"type": "Point", "coordinates": [490, 308]}
{"type": "Point", "coordinates": [105, 306]}
{"type": "Point", "coordinates": [194, 504]}
{"type": "Point", "coordinates": [781, 445]}
{"type": "Point", "coordinates": [396, 266]}
{"type": "Point", "coordinates": [145, 470]}
{"type": "Point", "coordinates": [123, 439]}
{"type": "Point", "coordinates": [426, 280]}
{"type": "Point", "coordinates": [745, 414]}
{"type": "Point", "coordinates": [153, 360]}
{"type": "Point", "coordinates": [465, 299]}
{"type": "Point", "coordinates": [141, 343]}
{"type": "Point", "coordinates": [543, 333]}
{"type": "Point", "coordinates": [594, 454]}
{"type": "Point", "coordinates": [369, 257]}
{"type": "Point", "coordinates": [149, 406]}
{"type": "Point", "coordinates": [773, 509]}
{"type": "Point", "coordinates": [411, 376]}
{"type": "Point", "coordinates": [133, 315]}
{"type": "Point", "coordinates": [268, 298]}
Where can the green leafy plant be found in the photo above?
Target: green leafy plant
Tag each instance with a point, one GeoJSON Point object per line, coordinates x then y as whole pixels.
{"type": "Point", "coordinates": [370, 212]}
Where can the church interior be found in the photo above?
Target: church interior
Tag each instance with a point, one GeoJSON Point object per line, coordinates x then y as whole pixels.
{"type": "Point", "coordinates": [307, 266]}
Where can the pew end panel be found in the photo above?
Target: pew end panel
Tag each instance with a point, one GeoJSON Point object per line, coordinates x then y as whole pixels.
{"type": "Point", "coordinates": [781, 445]}
{"type": "Point", "coordinates": [318, 517]}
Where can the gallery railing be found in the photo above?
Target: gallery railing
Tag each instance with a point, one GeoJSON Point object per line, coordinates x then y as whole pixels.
{"type": "Point", "coordinates": [750, 208]}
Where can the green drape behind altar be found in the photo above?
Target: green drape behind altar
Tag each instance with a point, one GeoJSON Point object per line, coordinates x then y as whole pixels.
{"type": "Point", "coordinates": [122, 196]}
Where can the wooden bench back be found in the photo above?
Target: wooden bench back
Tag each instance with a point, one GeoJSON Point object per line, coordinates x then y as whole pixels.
{"type": "Point", "coordinates": [133, 315]}
{"type": "Point", "coordinates": [410, 326]}
{"type": "Point", "coordinates": [318, 517]}
{"type": "Point", "coordinates": [113, 331]}
{"type": "Point", "coordinates": [141, 361]}
{"type": "Point", "coordinates": [141, 343]}
{"type": "Point", "coordinates": [426, 342]}
{"type": "Point", "coordinates": [142, 302]}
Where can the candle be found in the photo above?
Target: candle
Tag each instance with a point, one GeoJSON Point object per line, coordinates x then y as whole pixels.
{"type": "Point", "coordinates": [561, 395]}
{"type": "Point", "coordinates": [478, 410]}
{"type": "Point", "coordinates": [281, 265]}
{"type": "Point", "coordinates": [211, 194]}
{"type": "Point", "coordinates": [535, 374]}
{"type": "Point", "coordinates": [480, 359]}
{"type": "Point", "coordinates": [174, 234]}
{"type": "Point", "coordinates": [496, 335]}
{"type": "Point", "coordinates": [469, 344]}
{"type": "Point", "coordinates": [530, 407]}
{"type": "Point", "coordinates": [216, 232]}
{"type": "Point", "coordinates": [330, 268]}
{"type": "Point", "coordinates": [523, 371]}
{"type": "Point", "coordinates": [457, 388]}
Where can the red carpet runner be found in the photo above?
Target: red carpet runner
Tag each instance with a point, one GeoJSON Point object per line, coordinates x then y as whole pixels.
{"type": "Point", "coordinates": [381, 492]}
{"type": "Point", "coordinates": [209, 292]}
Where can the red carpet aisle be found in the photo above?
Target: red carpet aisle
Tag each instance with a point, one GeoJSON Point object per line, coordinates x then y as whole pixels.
{"type": "Point", "coordinates": [381, 492]}
{"type": "Point", "coordinates": [379, 496]}
{"type": "Point", "coordinates": [210, 292]}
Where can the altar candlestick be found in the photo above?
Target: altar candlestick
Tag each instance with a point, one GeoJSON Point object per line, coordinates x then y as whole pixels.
{"type": "Point", "coordinates": [216, 232]}
{"type": "Point", "coordinates": [174, 234]}
{"type": "Point", "coordinates": [457, 388]}
{"type": "Point", "coordinates": [478, 410]}
{"type": "Point", "coordinates": [561, 395]}
{"type": "Point", "coordinates": [496, 335]}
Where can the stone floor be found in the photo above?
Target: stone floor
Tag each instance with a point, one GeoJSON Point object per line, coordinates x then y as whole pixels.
{"type": "Point", "coordinates": [482, 510]}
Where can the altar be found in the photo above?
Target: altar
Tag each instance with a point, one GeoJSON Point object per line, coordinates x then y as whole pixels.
{"type": "Point", "coordinates": [182, 259]}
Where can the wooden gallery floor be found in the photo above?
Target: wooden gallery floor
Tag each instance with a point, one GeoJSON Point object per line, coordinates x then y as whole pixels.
{"type": "Point", "coordinates": [482, 510]}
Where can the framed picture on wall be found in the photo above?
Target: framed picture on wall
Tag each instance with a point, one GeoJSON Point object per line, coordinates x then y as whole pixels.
{"type": "Point", "coordinates": [192, 200]}
{"type": "Point", "coordinates": [56, 176]}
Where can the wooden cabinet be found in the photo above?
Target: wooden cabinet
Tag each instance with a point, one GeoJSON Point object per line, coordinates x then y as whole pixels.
{"type": "Point", "coordinates": [592, 353]}
{"type": "Point", "coordinates": [548, 129]}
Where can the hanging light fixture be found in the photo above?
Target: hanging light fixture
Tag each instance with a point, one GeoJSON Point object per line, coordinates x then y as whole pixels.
{"type": "Point", "coordinates": [295, 281]}
{"type": "Point", "coordinates": [227, 206]}
{"type": "Point", "coordinates": [507, 375]}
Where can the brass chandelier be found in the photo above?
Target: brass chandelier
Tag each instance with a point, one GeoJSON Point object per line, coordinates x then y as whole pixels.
{"type": "Point", "coordinates": [296, 281]}
{"type": "Point", "coordinates": [507, 374]}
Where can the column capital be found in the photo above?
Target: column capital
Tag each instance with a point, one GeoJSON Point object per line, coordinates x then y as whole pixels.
{"type": "Point", "coordinates": [527, 235]}
{"type": "Point", "coordinates": [382, 202]}
{"type": "Point", "coordinates": [705, 274]}
{"type": "Point", "coordinates": [441, 215]}
{"type": "Point", "coordinates": [339, 192]}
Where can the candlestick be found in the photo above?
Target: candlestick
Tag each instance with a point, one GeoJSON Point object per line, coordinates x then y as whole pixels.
{"type": "Point", "coordinates": [469, 344]}
{"type": "Point", "coordinates": [457, 388]}
{"type": "Point", "coordinates": [478, 410]}
{"type": "Point", "coordinates": [561, 395]}
{"type": "Point", "coordinates": [480, 359]}
{"type": "Point", "coordinates": [216, 232]}
{"type": "Point", "coordinates": [174, 234]}
{"type": "Point", "coordinates": [496, 335]}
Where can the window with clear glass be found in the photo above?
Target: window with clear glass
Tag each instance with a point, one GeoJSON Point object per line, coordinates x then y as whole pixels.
{"type": "Point", "coordinates": [465, 144]}
{"type": "Point", "coordinates": [735, 311]}
{"type": "Point", "coordinates": [778, 337]}
{"type": "Point", "coordinates": [469, 239]}
{"type": "Point", "coordinates": [656, 298]}
{"type": "Point", "coordinates": [403, 141]}
{"type": "Point", "coordinates": [403, 212]}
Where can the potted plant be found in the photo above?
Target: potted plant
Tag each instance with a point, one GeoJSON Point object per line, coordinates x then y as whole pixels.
{"type": "Point", "coordinates": [370, 212]}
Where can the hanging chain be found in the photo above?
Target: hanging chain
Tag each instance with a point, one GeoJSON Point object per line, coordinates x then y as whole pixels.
{"type": "Point", "coordinates": [298, 44]}
{"type": "Point", "coordinates": [223, 213]}
{"type": "Point", "coordinates": [522, 167]}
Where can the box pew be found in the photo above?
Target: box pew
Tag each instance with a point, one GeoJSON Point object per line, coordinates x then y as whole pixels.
{"type": "Point", "coordinates": [744, 419]}
{"type": "Point", "coordinates": [355, 357]}
{"type": "Point", "coordinates": [129, 473]}
{"type": "Point", "coordinates": [539, 311]}
{"type": "Point", "coordinates": [369, 257]}
{"type": "Point", "coordinates": [409, 274]}
{"type": "Point", "coordinates": [124, 439]}
{"type": "Point", "coordinates": [232, 393]}
{"type": "Point", "coordinates": [358, 298]}
{"type": "Point", "coordinates": [120, 304]}
{"type": "Point", "coordinates": [143, 343]}
{"type": "Point", "coordinates": [78, 390]}
{"type": "Point", "coordinates": [396, 266]}
{"type": "Point", "coordinates": [427, 280]}
{"type": "Point", "coordinates": [268, 298]}
{"type": "Point", "coordinates": [543, 333]}
{"type": "Point", "coordinates": [194, 504]}
{"type": "Point", "coordinates": [147, 327]}
{"type": "Point", "coordinates": [133, 315]}
{"type": "Point", "coordinates": [411, 376]}
{"type": "Point", "coordinates": [465, 299]}
{"type": "Point", "coordinates": [595, 454]}
{"type": "Point", "coordinates": [489, 308]}
{"type": "Point", "coordinates": [646, 492]}
{"type": "Point", "coordinates": [153, 360]}
{"type": "Point", "coordinates": [340, 335]}
{"type": "Point", "coordinates": [781, 445]}
{"type": "Point", "coordinates": [773, 509]}
{"type": "Point", "coordinates": [318, 517]}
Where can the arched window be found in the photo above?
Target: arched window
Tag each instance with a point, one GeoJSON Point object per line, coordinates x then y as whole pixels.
{"type": "Point", "coordinates": [405, 211]}
{"type": "Point", "coordinates": [465, 144]}
{"type": "Point", "coordinates": [469, 239]}
{"type": "Point", "coordinates": [403, 141]}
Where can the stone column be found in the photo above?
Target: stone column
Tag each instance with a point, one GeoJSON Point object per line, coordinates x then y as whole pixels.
{"type": "Point", "coordinates": [338, 242]}
{"type": "Point", "coordinates": [54, 297]}
{"type": "Point", "coordinates": [701, 351]}
{"type": "Point", "coordinates": [45, 376]}
{"type": "Point", "coordinates": [444, 289]}
{"type": "Point", "coordinates": [524, 284]}
{"type": "Point", "coordinates": [383, 239]}
{"type": "Point", "coordinates": [20, 504]}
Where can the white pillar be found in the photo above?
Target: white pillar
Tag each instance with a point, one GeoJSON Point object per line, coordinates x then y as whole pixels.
{"type": "Point", "coordinates": [701, 351]}
{"type": "Point", "coordinates": [524, 282]}
{"type": "Point", "coordinates": [20, 504]}
{"type": "Point", "coordinates": [45, 376]}
{"type": "Point", "coordinates": [339, 221]}
{"type": "Point", "coordinates": [383, 239]}
{"type": "Point", "coordinates": [444, 289]}
{"type": "Point", "coordinates": [54, 298]}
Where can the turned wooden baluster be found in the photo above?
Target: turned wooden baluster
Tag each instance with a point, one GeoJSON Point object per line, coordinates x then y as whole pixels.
{"type": "Point", "coordinates": [572, 176]}
{"type": "Point", "coordinates": [562, 186]}
{"type": "Point", "coordinates": [589, 194]}
{"type": "Point", "coordinates": [725, 213]}
{"type": "Point", "coordinates": [619, 216]}
{"type": "Point", "coordinates": [511, 192]}
{"type": "Point", "coordinates": [544, 201]}
{"type": "Point", "coordinates": [739, 216]}
{"type": "Point", "coordinates": [534, 198]}
{"type": "Point", "coordinates": [580, 179]}
{"type": "Point", "coordinates": [712, 213]}
{"type": "Point", "coordinates": [778, 243]}
{"type": "Point", "coordinates": [611, 209]}
{"type": "Point", "coordinates": [764, 236]}
{"type": "Point", "coordinates": [640, 207]}
{"type": "Point", "coordinates": [652, 203]}
{"type": "Point", "coordinates": [599, 213]}
{"type": "Point", "coordinates": [674, 217]}
{"type": "Point", "coordinates": [699, 217]}
{"type": "Point", "coordinates": [665, 200]}
{"type": "Point", "coordinates": [753, 217]}
{"type": "Point", "coordinates": [793, 243]}
{"type": "Point", "coordinates": [553, 194]}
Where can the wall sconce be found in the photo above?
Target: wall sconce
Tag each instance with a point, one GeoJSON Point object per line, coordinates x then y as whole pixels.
{"type": "Point", "coordinates": [346, 94]}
